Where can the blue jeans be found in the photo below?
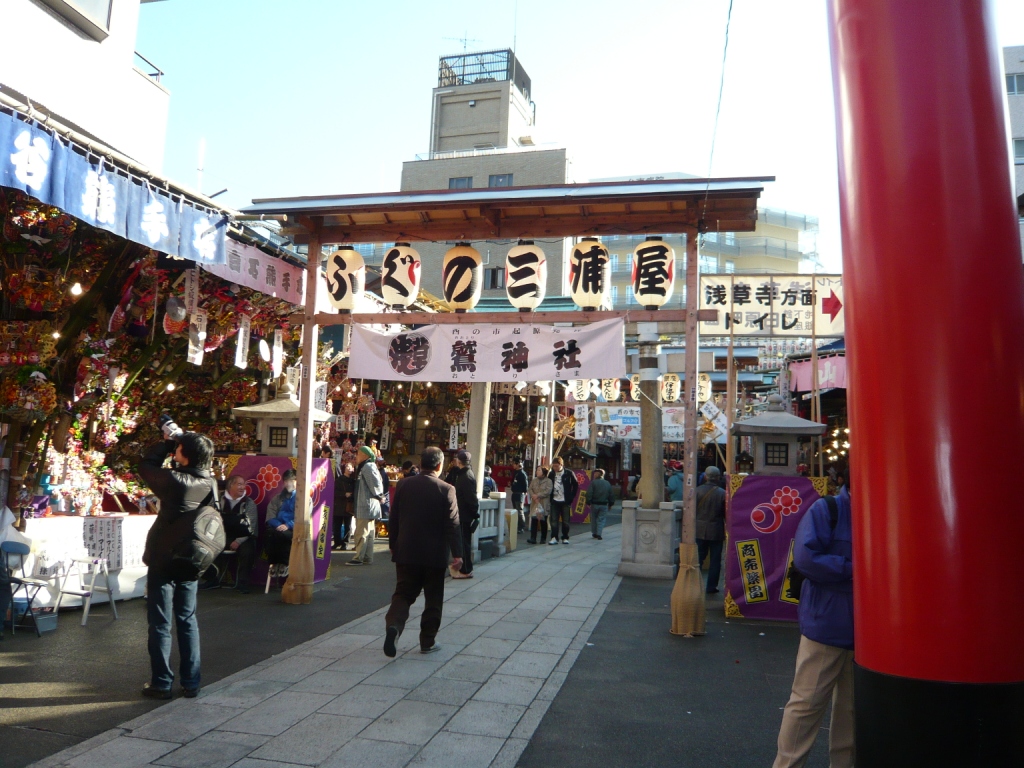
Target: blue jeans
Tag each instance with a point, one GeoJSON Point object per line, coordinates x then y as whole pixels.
{"type": "Point", "coordinates": [166, 596]}
{"type": "Point", "coordinates": [598, 514]}
{"type": "Point", "coordinates": [704, 547]}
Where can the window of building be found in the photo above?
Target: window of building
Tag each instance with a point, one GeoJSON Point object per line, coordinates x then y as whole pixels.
{"type": "Point", "coordinates": [279, 437]}
{"type": "Point", "coordinates": [1015, 85]}
{"type": "Point", "coordinates": [707, 264]}
{"type": "Point", "coordinates": [613, 262]}
{"type": "Point", "coordinates": [614, 294]}
{"type": "Point", "coordinates": [1018, 151]}
{"type": "Point", "coordinates": [90, 16]}
{"type": "Point", "coordinates": [776, 454]}
{"type": "Point", "coordinates": [499, 180]}
{"type": "Point", "coordinates": [730, 267]}
{"type": "Point", "coordinates": [460, 182]}
{"type": "Point", "coordinates": [494, 278]}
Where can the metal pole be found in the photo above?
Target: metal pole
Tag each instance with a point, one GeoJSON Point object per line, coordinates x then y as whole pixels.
{"type": "Point", "coordinates": [730, 395]}
{"type": "Point", "coordinates": [298, 589]}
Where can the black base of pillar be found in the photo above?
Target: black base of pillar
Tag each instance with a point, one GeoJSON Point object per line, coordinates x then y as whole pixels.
{"type": "Point", "coordinates": [902, 722]}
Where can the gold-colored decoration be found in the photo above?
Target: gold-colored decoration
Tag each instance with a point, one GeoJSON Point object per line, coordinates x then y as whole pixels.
{"type": "Point", "coordinates": [229, 463]}
{"type": "Point", "coordinates": [735, 481]}
{"type": "Point", "coordinates": [820, 485]}
{"type": "Point", "coordinates": [732, 611]}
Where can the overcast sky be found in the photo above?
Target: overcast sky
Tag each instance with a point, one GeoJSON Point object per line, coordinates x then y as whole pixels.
{"type": "Point", "coordinates": [331, 96]}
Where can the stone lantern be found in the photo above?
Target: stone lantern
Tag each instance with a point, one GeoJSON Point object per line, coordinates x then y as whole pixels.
{"type": "Point", "coordinates": [775, 434]}
{"type": "Point", "coordinates": [278, 420]}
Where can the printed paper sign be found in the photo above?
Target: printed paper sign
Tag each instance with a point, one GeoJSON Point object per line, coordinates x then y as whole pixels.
{"type": "Point", "coordinates": [774, 305]}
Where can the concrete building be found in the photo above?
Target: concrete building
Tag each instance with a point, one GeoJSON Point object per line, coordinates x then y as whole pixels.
{"type": "Point", "coordinates": [1013, 65]}
{"type": "Point", "coordinates": [76, 61]}
{"type": "Point", "coordinates": [482, 134]}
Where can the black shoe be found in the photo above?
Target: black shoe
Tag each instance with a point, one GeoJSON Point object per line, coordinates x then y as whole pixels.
{"type": "Point", "coordinates": [243, 588]}
{"type": "Point", "coordinates": [156, 693]}
{"type": "Point", "coordinates": [389, 642]}
{"type": "Point", "coordinates": [432, 649]}
{"type": "Point", "coordinates": [531, 541]}
{"type": "Point", "coordinates": [593, 535]}
{"type": "Point", "coordinates": [599, 538]}
{"type": "Point", "coordinates": [711, 592]}
{"type": "Point", "coordinates": [190, 693]}
{"type": "Point", "coordinates": [209, 585]}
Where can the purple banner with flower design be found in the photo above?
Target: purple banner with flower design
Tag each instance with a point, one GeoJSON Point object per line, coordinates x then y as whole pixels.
{"type": "Point", "coordinates": [263, 481]}
{"type": "Point", "coordinates": [763, 515]}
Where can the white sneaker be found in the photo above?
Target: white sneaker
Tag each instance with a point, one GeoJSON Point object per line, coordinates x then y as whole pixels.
{"type": "Point", "coordinates": [565, 541]}
{"type": "Point", "coordinates": [553, 541]}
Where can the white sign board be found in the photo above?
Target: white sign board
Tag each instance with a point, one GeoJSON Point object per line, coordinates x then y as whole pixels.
{"type": "Point", "coordinates": [582, 429]}
{"type": "Point", "coordinates": [774, 305]}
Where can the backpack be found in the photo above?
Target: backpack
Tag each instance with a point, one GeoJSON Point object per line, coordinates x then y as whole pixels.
{"type": "Point", "coordinates": [795, 577]}
{"type": "Point", "coordinates": [201, 542]}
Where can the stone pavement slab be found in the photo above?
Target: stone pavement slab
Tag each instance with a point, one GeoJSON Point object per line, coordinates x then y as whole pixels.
{"type": "Point", "coordinates": [509, 637]}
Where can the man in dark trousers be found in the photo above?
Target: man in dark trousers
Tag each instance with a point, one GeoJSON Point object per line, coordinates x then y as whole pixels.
{"type": "Point", "coordinates": [240, 529]}
{"type": "Point", "coordinates": [564, 487]}
{"type": "Point", "coordinates": [519, 488]}
{"type": "Point", "coordinates": [184, 488]}
{"type": "Point", "coordinates": [424, 526]}
{"type": "Point", "coordinates": [469, 514]}
{"type": "Point", "coordinates": [711, 525]}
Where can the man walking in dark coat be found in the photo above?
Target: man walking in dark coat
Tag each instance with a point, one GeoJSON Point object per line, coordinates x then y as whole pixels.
{"type": "Point", "coordinates": [181, 490]}
{"type": "Point", "coordinates": [469, 514]}
{"type": "Point", "coordinates": [423, 527]}
{"type": "Point", "coordinates": [711, 525]}
{"type": "Point", "coordinates": [519, 488]}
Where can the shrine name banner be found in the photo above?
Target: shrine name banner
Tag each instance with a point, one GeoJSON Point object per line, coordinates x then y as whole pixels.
{"type": "Point", "coordinates": [498, 352]}
{"type": "Point", "coordinates": [763, 515]}
{"type": "Point", "coordinates": [773, 305]}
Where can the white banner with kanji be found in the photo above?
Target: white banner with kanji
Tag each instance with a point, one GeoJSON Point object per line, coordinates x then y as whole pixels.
{"type": "Point", "coordinates": [773, 305]}
{"type": "Point", "coordinates": [496, 352]}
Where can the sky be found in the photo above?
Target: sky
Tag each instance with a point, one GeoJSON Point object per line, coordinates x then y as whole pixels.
{"type": "Point", "coordinates": [316, 97]}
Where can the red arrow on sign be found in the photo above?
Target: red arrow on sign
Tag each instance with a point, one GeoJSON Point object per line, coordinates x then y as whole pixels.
{"type": "Point", "coordinates": [832, 305]}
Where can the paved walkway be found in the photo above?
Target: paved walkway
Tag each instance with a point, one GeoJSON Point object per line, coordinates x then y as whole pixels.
{"type": "Point", "coordinates": [509, 637]}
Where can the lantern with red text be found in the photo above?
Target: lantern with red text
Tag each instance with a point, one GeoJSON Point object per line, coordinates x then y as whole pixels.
{"type": "Point", "coordinates": [346, 278]}
{"type": "Point", "coordinates": [654, 272]}
{"type": "Point", "coordinates": [526, 276]}
{"type": "Point", "coordinates": [400, 276]}
{"type": "Point", "coordinates": [589, 274]}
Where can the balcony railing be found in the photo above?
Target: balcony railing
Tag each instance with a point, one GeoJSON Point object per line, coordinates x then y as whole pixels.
{"type": "Point", "coordinates": [479, 151]}
{"type": "Point", "coordinates": [148, 68]}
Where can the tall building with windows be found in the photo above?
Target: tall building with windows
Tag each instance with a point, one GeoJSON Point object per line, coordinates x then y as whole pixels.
{"type": "Point", "coordinates": [75, 61]}
{"type": "Point", "coordinates": [483, 134]}
{"type": "Point", "coordinates": [1013, 64]}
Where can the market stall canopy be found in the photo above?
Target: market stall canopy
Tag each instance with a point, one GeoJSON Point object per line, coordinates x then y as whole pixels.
{"type": "Point", "coordinates": [603, 208]}
{"type": "Point", "coordinates": [775, 421]}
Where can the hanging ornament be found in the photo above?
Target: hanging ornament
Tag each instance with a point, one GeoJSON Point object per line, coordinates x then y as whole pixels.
{"type": "Point", "coordinates": [610, 389]}
{"type": "Point", "coordinates": [670, 387]}
{"type": "Point", "coordinates": [462, 277]}
{"type": "Point", "coordinates": [654, 273]}
{"type": "Point", "coordinates": [346, 278]}
{"type": "Point", "coordinates": [526, 276]}
{"type": "Point", "coordinates": [400, 276]}
{"type": "Point", "coordinates": [176, 309]}
{"type": "Point", "coordinates": [589, 273]}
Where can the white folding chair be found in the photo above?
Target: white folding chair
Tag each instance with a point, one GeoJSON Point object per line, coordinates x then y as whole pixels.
{"type": "Point", "coordinates": [95, 566]}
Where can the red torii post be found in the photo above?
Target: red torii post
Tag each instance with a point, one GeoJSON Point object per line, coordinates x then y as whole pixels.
{"type": "Point", "coordinates": [935, 295]}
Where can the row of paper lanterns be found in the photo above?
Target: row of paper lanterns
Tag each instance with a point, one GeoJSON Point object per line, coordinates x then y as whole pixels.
{"type": "Point", "coordinates": [526, 271]}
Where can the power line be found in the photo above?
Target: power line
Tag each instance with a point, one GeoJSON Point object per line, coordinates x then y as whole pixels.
{"type": "Point", "coordinates": [718, 108]}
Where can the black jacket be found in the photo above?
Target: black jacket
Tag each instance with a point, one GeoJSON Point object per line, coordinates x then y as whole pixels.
{"type": "Point", "coordinates": [424, 522]}
{"type": "Point", "coordinates": [465, 493]}
{"type": "Point", "coordinates": [569, 484]}
{"type": "Point", "coordinates": [180, 490]}
{"type": "Point", "coordinates": [520, 484]}
{"type": "Point", "coordinates": [240, 520]}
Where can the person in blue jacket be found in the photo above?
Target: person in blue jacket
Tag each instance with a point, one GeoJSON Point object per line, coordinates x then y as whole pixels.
{"type": "Point", "coordinates": [823, 553]}
{"type": "Point", "coordinates": [280, 524]}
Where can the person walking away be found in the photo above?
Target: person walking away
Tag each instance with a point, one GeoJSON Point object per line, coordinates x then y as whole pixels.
{"type": "Point", "coordinates": [280, 526]}
{"type": "Point", "coordinates": [823, 553]}
{"type": "Point", "coordinates": [240, 526]}
{"type": "Point", "coordinates": [184, 488]}
{"type": "Point", "coordinates": [424, 527]}
{"type": "Point", "coordinates": [344, 501]}
{"type": "Point", "coordinates": [489, 485]}
{"type": "Point", "coordinates": [563, 491]}
{"type": "Point", "coordinates": [710, 531]}
{"type": "Point", "coordinates": [369, 492]}
{"type": "Point", "coordinates": [674, 486]}
{"type": "Point", "coordinates": [600, 493]}
{"type": "Point", "coordinates": [409, 469]}
{"type": "Point", "coordinates": [540, 505]}
{"type": "Point", "coordinates": [469, 511]}
{"type": "Point", "coordinates": [519, 488]}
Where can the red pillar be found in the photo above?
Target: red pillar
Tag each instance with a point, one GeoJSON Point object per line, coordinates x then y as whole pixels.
{"type": "Point", "coordinates": [935, 332]}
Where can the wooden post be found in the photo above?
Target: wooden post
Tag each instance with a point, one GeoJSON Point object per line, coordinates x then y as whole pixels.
{"type": "Point", "coordinates": [476, 438]}
{"type": "Point", "coordinates": [690, 401]}
{"type": "Point", "coordinates": [730, 399]}
{"type": "Point", "coordinates": [298, 589]}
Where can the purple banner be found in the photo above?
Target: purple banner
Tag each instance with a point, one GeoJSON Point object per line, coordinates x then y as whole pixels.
{"type": "Point", "coordinates": [763, 514]}
{"type": "Point", "coordinates": [263, 481]}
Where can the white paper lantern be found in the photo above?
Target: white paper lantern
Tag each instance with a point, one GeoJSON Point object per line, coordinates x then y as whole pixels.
{"type": "Point", "coordinates": [400, 276]}
{"type": "Point", "coordinates": [346, 278]}
{"type": "Point", "coordinates": [462, 277]}
{"type": "Point", "coordinates": [526, 276]}
{"type": "Point", "coordinates": [654, 273]}
{"type": "Point", "coordinates": [590, 273]}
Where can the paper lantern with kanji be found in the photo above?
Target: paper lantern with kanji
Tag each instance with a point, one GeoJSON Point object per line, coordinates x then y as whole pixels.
{"type": "Point", "coordinates": [590, 274]}
{"type": "Point", "coordinates": [346, 278]}
{"type": "Point", "coordinates": [400, 276]}
{"type": "Point", "coordinates": [654, 272]}
{"type": "Point", "coordinates": [462, 277]}
{"type": "Point", "coordinates": [526, 276]}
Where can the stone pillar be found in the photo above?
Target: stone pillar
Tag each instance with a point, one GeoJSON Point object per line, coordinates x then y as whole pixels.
{"type": "Point", "coordinates": [476, 439]}
{"type": "Point", "coordinates": [650, 540]}
{"type": "Point", "coordinates": [651, 488]}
